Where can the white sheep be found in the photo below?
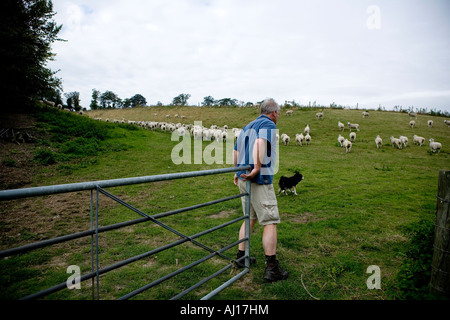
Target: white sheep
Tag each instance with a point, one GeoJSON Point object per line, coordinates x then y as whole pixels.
{"type": "Point", "coordinates": [306, 130]}
{"type": "Point", "coordinates": [365, 114]}
{"type": "Point", "coordinates": [289, 113]}
{"type": "Point", "coordinates": [430, 123]}
{"type": "Point", "coordinates": [396, 142]}
{"type": "Point", "coordinates": [341, 140]}
{"type": "Point", "coordinates": [418, 140]}
{"type": "Point", "coordinates": [352, 136]}
{"type": "Point", "coordinates": [404, 140]}
{"type": "Point", "coordinates": [307, 138]}
{"type": "Point", "coordinates": [412, 114]}
{"type": "Point", "coordinates": [319, 115]}
{"type": "Point", "coordinates": [299, 138]}
{"type": "Point", "coordinates": [285, 139]}
{"type": "Point", "coordinates": [435, 146]}
{"type": "Point", "coordinates": [447, 122]}
{"type": "Point", "coordinates": [340, 126]}
{"type": "Point", "coordinates": [378, 141]}
{"type": "Point", "coordinates": [412, 123]}
{"type": "Point", "coordinates": [353, 126]}
{"type": "Point", "coordinates": [347, 145]}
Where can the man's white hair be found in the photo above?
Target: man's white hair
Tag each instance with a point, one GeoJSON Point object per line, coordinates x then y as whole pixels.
{"type": "Point", "coordinates": [269, 105]}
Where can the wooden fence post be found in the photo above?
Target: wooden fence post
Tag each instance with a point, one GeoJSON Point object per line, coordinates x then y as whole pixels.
{"type": "Point", "coordinates": [440, 265]}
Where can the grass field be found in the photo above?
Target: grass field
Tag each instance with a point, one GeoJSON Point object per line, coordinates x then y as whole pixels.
{"type": "Point", "coordinates": [350, 212]}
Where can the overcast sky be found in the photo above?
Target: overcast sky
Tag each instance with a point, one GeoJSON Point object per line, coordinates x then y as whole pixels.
{"type": "Point", "coordinates": [370, 53]}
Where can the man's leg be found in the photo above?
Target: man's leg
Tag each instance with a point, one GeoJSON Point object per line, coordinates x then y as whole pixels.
{"type": "Point", "coordinates": [242, 233]}
{"type": "Point", "coordinates": [273, 271]}
{"type": "Point", "coordinates": [269, 239]}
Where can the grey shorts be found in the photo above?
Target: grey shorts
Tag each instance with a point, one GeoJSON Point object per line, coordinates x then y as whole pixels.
{"type": "Point", "coordinates": [263, 202]}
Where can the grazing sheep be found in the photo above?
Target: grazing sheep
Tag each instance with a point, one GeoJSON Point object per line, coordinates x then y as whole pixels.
{"type": "Point", "coordinates": [418, 140]}
{"type": "Point", "coordinates": [353, 126]}
{"type": "Point", "coordinates": [396, 142]}
{"type": "Point", "coordinates": [289, 113]}
{"type": "Point", "coordinates": [319, 115]}
{"type": "Point", "coordinates": [404, 140]}
{"type": "Point", "coordinates": [412, 123]}
{"type": "Point", "coordinates": [365, 114]}
{"type": "Point", "coordinates": [299, 138]}
{"type": "Point", "coordinates": [435, 146]}
{"type": "Point", "coordinates": [447, 122]}
{"type": "Point", "coordinates": [430, 123]}
{"type": "Point", "coordinates": [352, 136]}
{"type": "Point", "coordinates": [285, 139]}
{"type": "Point", "coordinates": [307, 138]}
{"type": "Point", "coordinates": [378, 141]}
{"type": "Point", "coordinates": [341, 140]}
{"type": "Point", "coordinates": [306, 130]}
{"type": "Point", "coordinates": [49, 103]}
{"type": "Point", "coordinates": [347, 145]}
{"type": "Point", "coordinates": [412, 114]}
{"type": "Point", "coordinates": [341, 126]}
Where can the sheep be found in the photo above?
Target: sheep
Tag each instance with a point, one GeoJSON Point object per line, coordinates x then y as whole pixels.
{"type": "Point", "coordinates": [418, 140]}
{"type": "Point", "coordinates": [341, 140]}
{"type": "Point", "coordinates": [319, 115]}
{"type": "Point", "coordinates": [285, 138]}
{"type": "Point", "coordinates": [412, 114]}
{"type": "Point", "coordinates": [347, 145]}
{"type": "Point", "coordinates": [365, 114]}
{"type": "Point", "coordinates": [412, 123]}
{"type": "Point", "coordinates": [404, 140]}
{"type": "Point", "coordinates": [396, 142]}
{"type": "Point", "coordinates": [289, 113]}
{"type": "Point", "coordinates": [307, 138]}
{"type": "Point", "coordinates": [378, 141]}
{"type": "Point", "coordinates": [435, 146]}
{"type": "Point", "coordinates": [340, 126]}
{"type": "Point", "coordinates": [447, 122]}
{"type": "Point", "coordinates": [430, 123]}
{"type": "Point", "coordinates": [352, 136]}
{"type": "Point", "coordinates": [353, 126]}
{"type": "Point", "coordinates": [49, 103]}
{"type": "Point", "coordinates": [306, 130]}
{"type": "Point", "coordinates": [299, 138]}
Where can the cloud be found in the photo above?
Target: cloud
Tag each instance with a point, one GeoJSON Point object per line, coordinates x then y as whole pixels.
{"type": "Point", "coordinates": [248, 50]}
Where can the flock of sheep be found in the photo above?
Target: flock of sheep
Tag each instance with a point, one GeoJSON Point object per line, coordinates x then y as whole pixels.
{"type": "Point", "coordinates": [399, 143]}
{"type": "Point", "coordinates": [222, 134]}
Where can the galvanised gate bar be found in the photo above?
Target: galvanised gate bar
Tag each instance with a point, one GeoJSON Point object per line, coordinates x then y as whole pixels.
{"type": "Point", "coordinates": [98, 187]}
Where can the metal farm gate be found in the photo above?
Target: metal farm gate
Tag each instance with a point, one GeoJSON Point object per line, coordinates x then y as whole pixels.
{"type": "Point", "coordinates": [98, 187]}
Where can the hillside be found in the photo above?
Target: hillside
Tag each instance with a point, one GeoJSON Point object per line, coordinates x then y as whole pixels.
{"type": "Point", "coordinates": [351, 210]}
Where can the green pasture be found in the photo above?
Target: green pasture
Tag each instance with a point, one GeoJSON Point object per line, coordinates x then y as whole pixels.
{"type": "Point", "coordinates": [350, 213]}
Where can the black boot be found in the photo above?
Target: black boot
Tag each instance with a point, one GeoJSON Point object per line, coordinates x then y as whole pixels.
{"type": "Point", "coordinates": [241, 263]}
{"type": "Point", "coordinates": [274, 272]}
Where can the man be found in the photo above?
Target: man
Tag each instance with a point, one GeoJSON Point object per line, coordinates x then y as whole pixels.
{"type": "Point", "coordinates": [256, 146]}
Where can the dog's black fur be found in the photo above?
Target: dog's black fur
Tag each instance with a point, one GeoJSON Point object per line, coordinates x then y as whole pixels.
{"type": "Point", "coordinates": [289, 183]}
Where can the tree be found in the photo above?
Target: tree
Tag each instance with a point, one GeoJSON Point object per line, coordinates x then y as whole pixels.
{"type": "Point", "coordinates": [138, 100]}
{"type": "Point", "coordinates": [26, 34]}
{"type": "Point", "coordinates": [208, 101]}
{"type": "Point", "coordinates": [227, 102]}
{"type": "Point", "coordinates": [109, 100]}
{"type": "Point", "coordinates": [94, 102]}
{"type": "Point", "coordinates": [73, 100]}
{"type": "Point", "coordinates": [181, 100]}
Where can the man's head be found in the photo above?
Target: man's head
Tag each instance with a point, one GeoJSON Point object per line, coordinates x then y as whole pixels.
{"type": "Point", "coordinates": [271, 109]}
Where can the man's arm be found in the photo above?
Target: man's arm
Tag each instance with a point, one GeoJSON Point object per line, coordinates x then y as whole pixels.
{"type": "Point", "coordinates": [259, 150]}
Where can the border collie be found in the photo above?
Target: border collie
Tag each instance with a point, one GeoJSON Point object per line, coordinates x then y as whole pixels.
{"type": "Point", "coordinates": [289, 183]}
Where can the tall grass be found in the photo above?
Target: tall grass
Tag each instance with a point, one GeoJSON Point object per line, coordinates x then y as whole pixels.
{"type": "Point", "coordinates": [350, 212]}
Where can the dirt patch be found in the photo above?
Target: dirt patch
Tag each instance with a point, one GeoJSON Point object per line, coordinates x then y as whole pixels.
{"type": "Point", "coordinates": [302, 218]}
{"type": "Point", "coordinates": [223, 214]}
